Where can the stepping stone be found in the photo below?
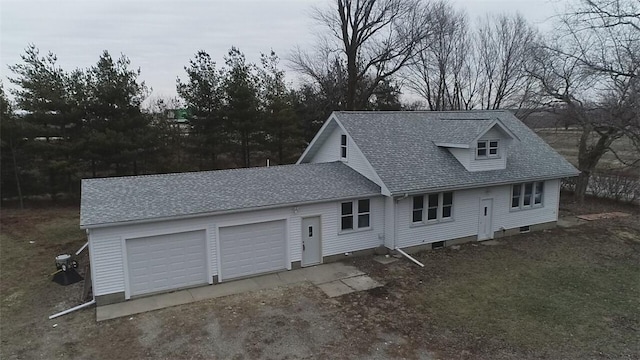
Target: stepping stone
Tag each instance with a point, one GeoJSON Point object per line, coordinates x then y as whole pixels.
{"type": "Point", "coordinates": [361, 283]}
{"type": "Point", "coordinates": [335, 288]}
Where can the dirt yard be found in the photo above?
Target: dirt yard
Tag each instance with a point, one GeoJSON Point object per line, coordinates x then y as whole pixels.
{"type": "Point", "coordinates": [566, 293]}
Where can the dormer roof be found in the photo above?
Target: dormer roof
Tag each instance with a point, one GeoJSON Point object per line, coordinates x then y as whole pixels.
{"type": "Point", "coordinates": [464, 133]}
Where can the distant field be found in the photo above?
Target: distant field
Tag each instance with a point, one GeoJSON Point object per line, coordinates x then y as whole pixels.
{"type": "Point", "coordinates": [566, 143]}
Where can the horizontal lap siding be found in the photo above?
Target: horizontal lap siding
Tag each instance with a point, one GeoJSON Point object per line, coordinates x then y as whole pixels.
{"type": "Point", "coordinates": [465, 215]}
{"type": "Point", "coordinates": [334, 242]}
{"type": "Point", "coordinates": [465, 223]}
{"type": "Point", "coordinates": [503, 217]}
{"type": "Point", "coordinates": [107, 253]}
{"type": "Point", "coordinates": [106, 263]}
{"type": "Point", "coordinates": [490, 164]}
{"type": "Point", "coordinates": [330, 151]}
{"type": "Point", "coordinates": [463, 156]}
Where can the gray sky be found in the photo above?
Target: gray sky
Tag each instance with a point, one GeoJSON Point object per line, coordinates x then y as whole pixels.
{"type": "Point", "coordinates": [160, 36]}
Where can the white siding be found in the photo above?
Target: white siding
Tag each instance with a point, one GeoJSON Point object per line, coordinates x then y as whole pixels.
{"type": "Point", "coordinates": [488, 164]}
{"type": "Point", "coordinates": [463, 156]}
{"type": "Point", "coordinates": [329, 151]}
{"type": "Point", "coordinates": [106, 244]}
{"type": "Point", "coordinates": [467, 157]}
{"type": "Point", "coordinates": [107, 267]}
{"type": "Point", "coordinates": [389, 222]}
{"type": "Point", "coordinates": [466, 204]}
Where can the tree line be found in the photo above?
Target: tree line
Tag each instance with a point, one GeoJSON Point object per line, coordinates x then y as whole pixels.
{"type": "Point", "coordinates": [62, 126]}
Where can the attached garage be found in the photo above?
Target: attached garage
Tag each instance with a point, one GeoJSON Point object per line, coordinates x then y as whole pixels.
{"type": "Point", "coordinates": [252, 249]}
{"type": "Point", "coordinates": [159, 233]}
{"type": "Point", "coordinates": [166, 262]}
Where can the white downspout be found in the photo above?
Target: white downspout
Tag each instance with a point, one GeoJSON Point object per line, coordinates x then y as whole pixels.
{"type": "Point", "coordinates": [82, 248]}
{"type": "Point", "coordinates": [82, 306]}
{"type": "Point", "coordinates": [409, 257]}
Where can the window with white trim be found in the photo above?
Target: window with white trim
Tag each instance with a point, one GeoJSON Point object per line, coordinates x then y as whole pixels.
{"type": "Point", "coordinates": [439, 206]}
{"type": "Point", "coordinates": [487, 149]}
{"type": "Point", "coordinates": [527, 195]}
{"type": "Point", "coordinates": [355, 214]}
{"type": "Point", "coordinates": [343, 146]}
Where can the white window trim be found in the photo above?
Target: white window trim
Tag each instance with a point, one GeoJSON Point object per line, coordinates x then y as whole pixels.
{"type": "Point", "coordinates": [425, 210]}
{"type": "Point", "coordinates": [532, 204]}
{"type": "Point", "coordinates": [344, 147]}
{"type": "Point", "coordinates": [354, 217]}
{"type": "Point", "coordinates": [487, 148]}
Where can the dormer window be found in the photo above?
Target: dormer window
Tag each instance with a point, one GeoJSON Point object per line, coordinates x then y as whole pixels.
{"type": "Point", "coordinates": [487, 149]}
{"type": "Point", "coordinates": [343, 146]}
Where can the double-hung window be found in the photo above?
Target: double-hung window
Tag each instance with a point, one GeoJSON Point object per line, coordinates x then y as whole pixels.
{"type": "Point", "coordinates": [527, 195]}
{"type": "Point", "coordinates": [487, 149]}
{"type": "Point", "coordinates": [432, 207]}
{"type": "Point", "coordinates": [343, 146]}
{"type": "Point", "coordinates": [355, 215]}
{"type": "Point", "coordinates": [418, 208]}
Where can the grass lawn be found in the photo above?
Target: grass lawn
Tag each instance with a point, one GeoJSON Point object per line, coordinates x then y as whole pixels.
{"type": "Point", "coordinates": [559, 294]}
{"type": "Point", "coordinates": [566, 143]}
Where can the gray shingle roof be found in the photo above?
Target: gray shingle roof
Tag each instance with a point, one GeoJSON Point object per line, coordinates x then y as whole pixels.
{"type": "Point", "coordinates": [451, 130]}
{"type": "Point", "coordinates": [121, 199]}
{"type": "Point", "coordinates": [400, 147]}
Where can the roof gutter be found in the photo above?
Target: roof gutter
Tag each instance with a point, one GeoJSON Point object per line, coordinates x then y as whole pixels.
{"type": "Point", "coordinates": [403, 194]}
{"type": "Point", "coordinates": [221, 212]}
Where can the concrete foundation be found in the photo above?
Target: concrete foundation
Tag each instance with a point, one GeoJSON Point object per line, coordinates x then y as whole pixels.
{"type": "Point", "coordinates": [109, 299]}
{"type": "Point", "coordinates": [516, 231]}
{"type": "Point", "coordinates": [338, 257]}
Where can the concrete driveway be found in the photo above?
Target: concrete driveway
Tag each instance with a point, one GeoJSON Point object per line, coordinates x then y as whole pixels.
{"type": "Point", "coordinates": [335, 279]}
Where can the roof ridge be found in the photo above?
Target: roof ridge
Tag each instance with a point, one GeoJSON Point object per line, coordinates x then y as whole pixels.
{"type": "Point", "coordinates": [416, 111]}
{"type": "Point", "coordinates": [172, 174]}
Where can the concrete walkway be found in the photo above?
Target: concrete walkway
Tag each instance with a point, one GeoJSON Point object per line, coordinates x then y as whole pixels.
{"type": "Point", "coordinates": [318, 275]}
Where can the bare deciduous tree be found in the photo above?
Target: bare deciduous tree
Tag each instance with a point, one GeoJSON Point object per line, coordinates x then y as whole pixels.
{"type": "Point", "coordinates": [443, 72]}
{"type": "Point", "coordinates": [592, 71]}
{"type": "Point", "coordinates": [504, 47]}
{"type": "Point", "coordinates": [373, 38]}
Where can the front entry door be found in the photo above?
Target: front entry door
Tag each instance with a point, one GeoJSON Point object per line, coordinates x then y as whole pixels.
{"type": "Point", "coordinates": [311, 248]}
{"type": "Point", "coordinates": [485, 225]}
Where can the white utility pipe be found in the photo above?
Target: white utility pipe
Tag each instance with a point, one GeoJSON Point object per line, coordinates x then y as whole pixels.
{"type": "Point", "coordinates": [409, 257]}
{"type": "Point", "coordinates": [82, 248]}
{"type": "Point", "coordinates": [82, 306]}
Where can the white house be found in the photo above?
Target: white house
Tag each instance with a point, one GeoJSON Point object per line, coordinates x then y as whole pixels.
{"type": "Point", "coordinates": [409, 180]}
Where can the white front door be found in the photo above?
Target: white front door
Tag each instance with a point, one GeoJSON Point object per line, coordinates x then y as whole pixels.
{"type": "Point", "coordinates": [485, 224]}
{"type": "Point", "coordinates": [311, 248]}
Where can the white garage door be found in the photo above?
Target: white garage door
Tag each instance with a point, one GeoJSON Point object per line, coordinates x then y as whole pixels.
{"type": "Point", "coordinates": [252, 249]}
{"type": "Point", "coordinates": [166, 262]}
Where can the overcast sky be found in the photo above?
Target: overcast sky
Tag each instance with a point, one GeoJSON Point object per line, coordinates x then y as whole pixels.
{"type": "Point", "coordinates": [160, 36]}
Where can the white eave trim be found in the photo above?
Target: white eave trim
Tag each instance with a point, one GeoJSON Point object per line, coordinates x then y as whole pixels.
{"type": "Point", "coordinates": [225, 212]}
{"type": "Point", "coordinates": [402, 194]}
{"type": "Point", "coordinates": [452, 145]}
{"type": "Point", "coordinates": [498, 123]}
{"type": "Point", "coordinates": [315, 138]}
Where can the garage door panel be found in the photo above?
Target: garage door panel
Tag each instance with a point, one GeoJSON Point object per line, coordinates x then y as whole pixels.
{"type": "Point", "coordinates": [252, 249]}
{"type": "Point", "coordinates": [166, 262]}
